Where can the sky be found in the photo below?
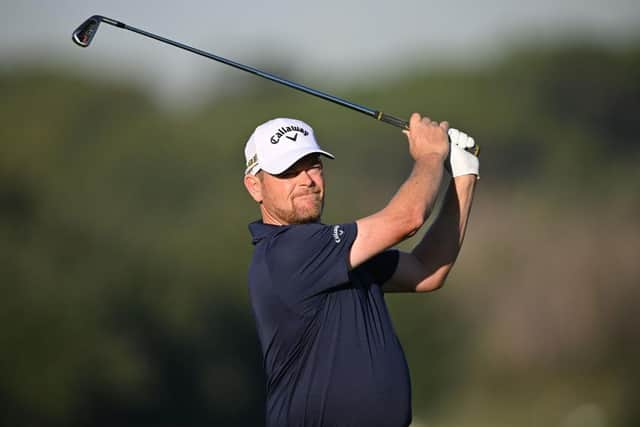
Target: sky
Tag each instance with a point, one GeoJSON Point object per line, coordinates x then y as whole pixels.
{"type": "Point", "coordinates": [329, 42]}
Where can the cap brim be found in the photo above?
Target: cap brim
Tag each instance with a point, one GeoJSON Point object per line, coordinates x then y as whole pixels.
{"type": "Point", "coordinates": [284, 163]}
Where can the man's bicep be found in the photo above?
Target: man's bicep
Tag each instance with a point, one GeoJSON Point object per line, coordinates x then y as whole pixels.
{"type": "Point", "coordinates": [411, 275]}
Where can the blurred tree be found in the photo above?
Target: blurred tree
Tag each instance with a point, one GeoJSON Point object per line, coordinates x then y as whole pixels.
{"type": "Point", "coordinates": [124, 248]}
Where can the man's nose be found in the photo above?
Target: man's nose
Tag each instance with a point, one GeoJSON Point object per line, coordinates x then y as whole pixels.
{"type": "Point", "coordinates": [305, 177]}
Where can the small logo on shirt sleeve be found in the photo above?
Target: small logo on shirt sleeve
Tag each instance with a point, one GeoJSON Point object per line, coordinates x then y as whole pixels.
{"type": "Point", "coordinates": [337, 233]}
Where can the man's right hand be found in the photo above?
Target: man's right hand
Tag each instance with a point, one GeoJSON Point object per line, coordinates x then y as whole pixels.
{"type": "Point", "coordinates": [427, 138]}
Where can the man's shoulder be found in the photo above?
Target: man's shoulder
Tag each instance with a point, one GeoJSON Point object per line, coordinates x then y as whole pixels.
{"type": "Point", "coordinates": [300, 239]}
{"type": "Point", "coordinates": [315, 232]}
{"type": "Point", "coordinates": [294, 233]}
{"type": "Point", "coordinates": [305, 236]}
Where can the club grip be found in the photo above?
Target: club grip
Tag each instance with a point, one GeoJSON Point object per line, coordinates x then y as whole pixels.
{"type": "Point", "coordinates": [475, 150]}
{"type": "Point", "coordinates": [394, 121]}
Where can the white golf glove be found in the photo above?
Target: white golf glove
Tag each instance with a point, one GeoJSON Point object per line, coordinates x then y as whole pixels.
{"type": "Point", "coordinates": [461, 161]}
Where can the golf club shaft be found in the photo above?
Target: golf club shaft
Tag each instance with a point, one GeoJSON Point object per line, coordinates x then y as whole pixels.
{"type": "Point", "coordinates": [378, 115]}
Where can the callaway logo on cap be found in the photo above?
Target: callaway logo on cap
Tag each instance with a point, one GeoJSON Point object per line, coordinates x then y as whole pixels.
{"type": "Point", "coordinates": [277, 144]}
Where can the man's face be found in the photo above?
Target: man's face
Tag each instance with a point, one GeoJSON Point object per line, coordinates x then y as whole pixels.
{"type": "Point", "coordinates": [295, 196]}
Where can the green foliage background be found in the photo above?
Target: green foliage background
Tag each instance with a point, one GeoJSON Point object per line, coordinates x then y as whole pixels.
{"type": "Point", "coordinates": [124, 247]}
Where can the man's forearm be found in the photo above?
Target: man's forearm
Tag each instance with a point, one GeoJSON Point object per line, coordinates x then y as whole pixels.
{"type": "Point", "coordinates": [440, 246]}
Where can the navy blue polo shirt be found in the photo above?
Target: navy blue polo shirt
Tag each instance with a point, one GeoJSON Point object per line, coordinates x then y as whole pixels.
{"type": "Point", "coordinates": [330, 353]}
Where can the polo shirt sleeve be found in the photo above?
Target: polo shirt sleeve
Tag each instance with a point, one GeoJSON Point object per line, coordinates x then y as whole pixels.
{"type": "Point", "coordinates": [307, 259]}
{"type": "Point", "coordinates": [383, 265]}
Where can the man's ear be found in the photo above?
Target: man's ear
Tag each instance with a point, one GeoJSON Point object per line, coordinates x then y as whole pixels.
{"type": "Point", "coordinates": [254, 186]}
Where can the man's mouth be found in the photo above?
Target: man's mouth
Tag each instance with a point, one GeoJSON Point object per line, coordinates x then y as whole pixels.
{"type": "Point", "coordinates": [314, 195]}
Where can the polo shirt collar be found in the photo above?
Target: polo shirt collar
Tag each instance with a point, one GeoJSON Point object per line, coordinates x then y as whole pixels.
{"type": "Point", "coordinates": [259, 230]}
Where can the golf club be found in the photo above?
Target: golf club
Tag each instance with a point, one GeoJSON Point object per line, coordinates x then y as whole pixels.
{"type": "Point", "coordinates": [84, 34]}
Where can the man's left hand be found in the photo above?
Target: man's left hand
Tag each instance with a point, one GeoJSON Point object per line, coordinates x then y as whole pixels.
{"type": "Point", "coordinates": [461, 161]}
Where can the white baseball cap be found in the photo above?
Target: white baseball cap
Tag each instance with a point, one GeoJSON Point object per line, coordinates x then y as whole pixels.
{"type": "Point", "coordinates": [277, 144]}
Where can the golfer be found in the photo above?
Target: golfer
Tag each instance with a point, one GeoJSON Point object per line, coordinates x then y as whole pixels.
{"type": "Point", "coordinates": [330, 352]}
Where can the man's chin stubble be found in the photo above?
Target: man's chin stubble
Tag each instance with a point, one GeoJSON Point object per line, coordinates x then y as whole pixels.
{"type": "Point", "coordinates": [306, 217]}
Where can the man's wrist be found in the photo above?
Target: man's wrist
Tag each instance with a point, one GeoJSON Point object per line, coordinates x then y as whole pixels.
{"type": "Point", "coordinates": [431, 158]}
{"type": "Point", "coordinates": [465, 181]}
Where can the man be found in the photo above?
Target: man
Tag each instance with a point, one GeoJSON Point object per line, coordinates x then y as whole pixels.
{"type": "Point", "coordinates": [331, 355]}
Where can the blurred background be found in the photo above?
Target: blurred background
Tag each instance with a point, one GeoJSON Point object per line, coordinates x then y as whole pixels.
{"type": "Point", "coordinates": [123, 239]}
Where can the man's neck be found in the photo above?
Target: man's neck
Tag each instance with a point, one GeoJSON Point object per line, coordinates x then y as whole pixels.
{"type": "Point", "coordinates": [268, 218]}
